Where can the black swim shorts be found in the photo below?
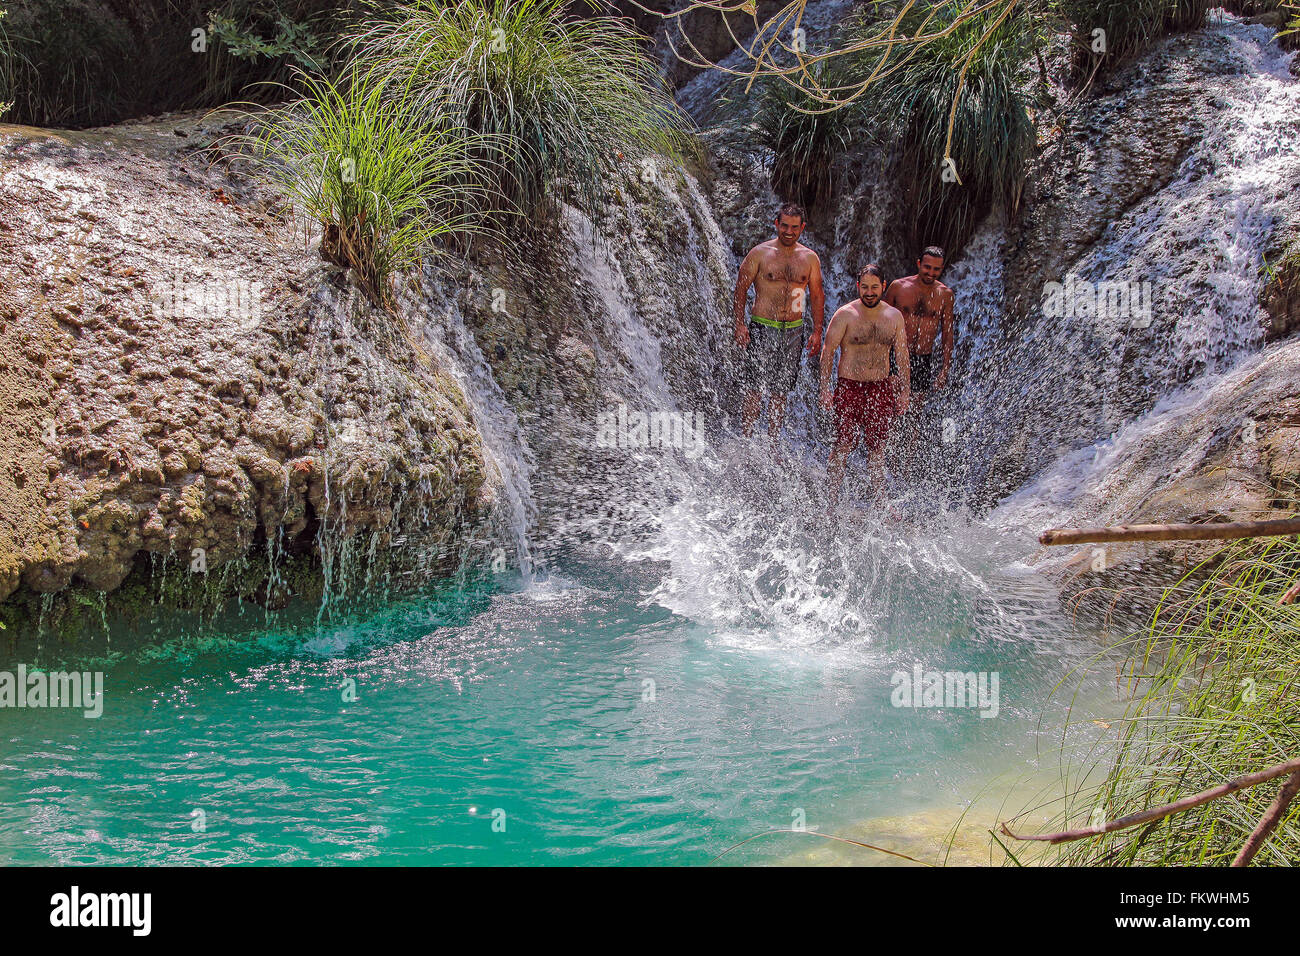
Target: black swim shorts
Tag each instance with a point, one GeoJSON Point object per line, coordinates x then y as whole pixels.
{"type": "Point", "coordinates": [772, 359]}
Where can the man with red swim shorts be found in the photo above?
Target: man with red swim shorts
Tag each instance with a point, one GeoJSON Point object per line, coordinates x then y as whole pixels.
{"type": "Point", "coordinates": [864, 401]}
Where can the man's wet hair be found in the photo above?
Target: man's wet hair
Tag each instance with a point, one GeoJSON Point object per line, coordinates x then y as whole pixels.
{"type": "Point", "coordinates": [871, 269]}
{"type": "Point", "coordinates": [792, 209]}
{"type": "Point", "coordinates": [936, 251]}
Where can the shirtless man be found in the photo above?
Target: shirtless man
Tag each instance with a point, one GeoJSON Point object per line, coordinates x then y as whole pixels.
{"type": "Point", "coordinates": [926, 304]}
{"type": "Point", "coordinates": [864, 399]}
{"type": "Point", "coordinates": [927, 307]}
{"type": "Point", "coordinates": [784, 274]}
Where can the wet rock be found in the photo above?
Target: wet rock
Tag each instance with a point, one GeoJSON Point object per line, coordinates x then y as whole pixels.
{"type": "Point", "coordinates": [204, 427]}
{"type": "Point", "coordinates": [1231, 454]}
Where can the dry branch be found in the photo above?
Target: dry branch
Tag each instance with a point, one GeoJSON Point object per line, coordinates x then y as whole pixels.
{"type": "Point", "coordinates": [761, 52]}
{"type": "Point", "coordinates": [1172, 532]}
{"type": "Point", "coordinates": [1291, 767]}
{"type": "Point", "coordinates": [1268, 823]}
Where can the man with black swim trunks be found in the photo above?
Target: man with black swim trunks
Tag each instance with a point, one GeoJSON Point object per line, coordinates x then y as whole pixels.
{"type": "Point", "coordinates": [865, 400]}
{"type": "Point", "coordinates": [784, 274]}
{"type": "Point", "coordinates": [927, 307]}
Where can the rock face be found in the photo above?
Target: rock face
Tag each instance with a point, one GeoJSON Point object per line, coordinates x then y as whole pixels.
{"type": "Point", "coordinates": [177, 373]}
{"type": "Point", "coordinates": [590, 316]}
{"type": "Point", "coordinates": [1164, 195]}
{"type": "Point", "coordinates": [1228, 452]}
{"type": "Point", "coordinates": [702, 33]}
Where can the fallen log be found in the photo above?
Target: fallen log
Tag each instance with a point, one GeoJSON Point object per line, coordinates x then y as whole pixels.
{"type": "Point", "coordinates": [1173, 532]}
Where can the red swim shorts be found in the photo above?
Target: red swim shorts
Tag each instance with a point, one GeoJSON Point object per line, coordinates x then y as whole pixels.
{"type": "Point", "coordinates": [862, 412]}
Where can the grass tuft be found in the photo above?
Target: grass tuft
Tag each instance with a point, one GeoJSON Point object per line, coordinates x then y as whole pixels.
{"type": "Point", "coordinates": [911, 105]}
{"type": "Point", "coordinates": [556, 98]}
{"type": "Point", "coordinates": [1216, 694]}
{"type": "Point", "coordinates": [806, 139]}
{"type": "Point", "coordinates": [1127, 27]}
{"type": "Point", "coordinates": [359, 159]}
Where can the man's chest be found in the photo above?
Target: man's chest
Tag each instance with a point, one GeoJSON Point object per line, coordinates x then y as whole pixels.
{"type": "Point", "coordinates": [784, 270]}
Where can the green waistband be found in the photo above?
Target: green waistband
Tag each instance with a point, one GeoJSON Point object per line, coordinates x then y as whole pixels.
{"type": "Point", "coordinates": [773, 324]}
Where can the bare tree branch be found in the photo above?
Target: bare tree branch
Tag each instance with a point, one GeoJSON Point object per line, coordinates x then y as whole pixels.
{"type": "Point", "coordinates": [1268, 823]}
{"type": "Point", "coordinates": [1186, 803]}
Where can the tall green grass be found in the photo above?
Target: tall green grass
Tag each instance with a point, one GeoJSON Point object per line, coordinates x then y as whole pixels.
{"type": "Point", "coordinates": [559, 97]}
{"type": "Point", "coordinates": [358, 158]}
{"type": "Point", "coordinates": [805, 137]}
{"type": "Point", "coordinates": [910, 104]}
{"type": "Point", "coordinates": [1216, 681]}
{"type": "Point", "coordinates": [1129, 27]}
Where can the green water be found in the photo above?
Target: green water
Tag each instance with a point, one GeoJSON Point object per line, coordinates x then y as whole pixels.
{"type": "Point", "coordinates": [517, 724]}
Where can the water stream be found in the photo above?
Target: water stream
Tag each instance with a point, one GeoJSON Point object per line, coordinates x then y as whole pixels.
{"type": "Point", "coordinates": [719, 661]}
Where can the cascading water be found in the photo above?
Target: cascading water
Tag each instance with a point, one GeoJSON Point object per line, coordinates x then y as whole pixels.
{"type": "Point", "coordinates": [1169, 294]}
{"type": "Point", "coordinates": [718, 662]}
{"type": "Point", "coordinates": [505, 446]}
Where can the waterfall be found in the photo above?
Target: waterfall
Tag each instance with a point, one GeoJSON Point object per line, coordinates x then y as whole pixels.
{"type": "Point", "coordinates": [1168, 295]}
{"type": "Point", "coordinates": [739, 536]}
{"type": "Point", "coordinates": [509, 457]}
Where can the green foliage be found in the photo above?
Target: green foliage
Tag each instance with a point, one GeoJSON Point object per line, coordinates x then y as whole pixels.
{"type": "Point", "coordinates": [805, 137]}
{"type": "Point", "coordinates": [6, 73]}
{"type": "Point", "coordinates": [79, 63]}
{"type": "Point", "coordinates": [1129, 27]}
{"type": "Point", "coordinates": [292, 40]}
{"type": "Point", "coordinates": [556, 97]}
{"type": "Point", "coordinates": [910, 104]}
{"type": "Point", "coordinates": [65, 68]}
{"type": "Point", "coordinates": [360, 159]}
{"type": "Point", "coordinates": [1293, 25]}
{"type": "Point", "coordinates": [256, 46]}
{"type": "Point", "coordinates": [1219, 698]}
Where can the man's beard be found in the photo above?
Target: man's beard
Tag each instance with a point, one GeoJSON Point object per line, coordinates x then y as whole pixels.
{"type": "Point", "coordinates": [928, 280]}
{"type": "Point", "coordinates": [870, 301]}
{"type": "Point", "coordinates": [787, 242]}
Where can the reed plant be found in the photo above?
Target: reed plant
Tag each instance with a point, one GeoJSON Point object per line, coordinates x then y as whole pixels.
{"type": "Point", "coordinates": [805, 137]}
{"type": "Point", "coordinates": [1108, 32]}
{"type": "Point", "coordinates": [1290, 34]}
{"type": "Point", "coordinates": [965, 84]}
{"type": "Point", "coordinates": [360, 159]}
{"type": "Point", "coordinates": [7, 66]}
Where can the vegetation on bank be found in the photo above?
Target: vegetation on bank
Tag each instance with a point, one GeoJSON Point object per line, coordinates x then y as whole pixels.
{"type": "Point", "coordinates": [1127, 28]}
{"type": "Point", "coordinates": [1214, 693]}
{"type": "Point", "coordinates": [7, 66]}
{"type": "Point", "coordinates": [356, 157]}
{"type": "Point", "coordinates": [959, 114]}
{"type": "Point", "coordinates": [950, 92]}
{"type": "Point", "coordinates": [806, 140]}
{"type": "Point", "coordinates": [82, 63]}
